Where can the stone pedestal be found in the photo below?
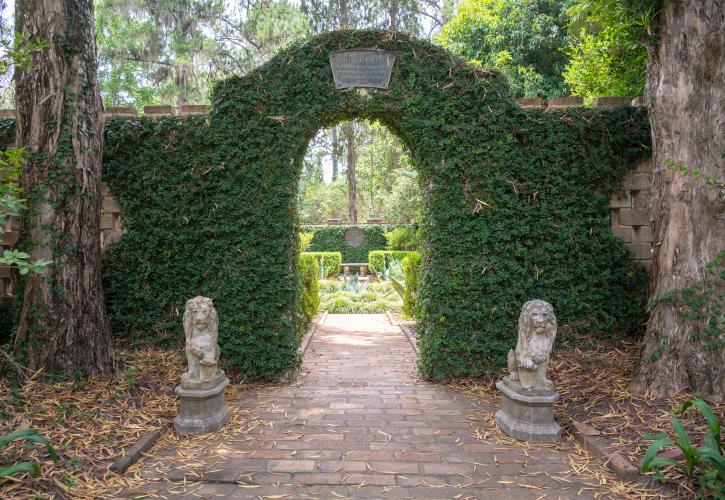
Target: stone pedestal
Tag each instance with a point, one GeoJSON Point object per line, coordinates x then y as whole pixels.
{"type": "Point", "coordinates": [202, 409]}
{"type": "Point", "coordinates": [528, 417]}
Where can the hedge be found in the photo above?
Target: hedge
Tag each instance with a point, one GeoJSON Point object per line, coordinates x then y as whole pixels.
{"type": "Point", "coordinates": [330, 262]}
{"type": "Point", "coordinates": [380, 259]}
{"type": "Point", "coordinates": [331, 238]}
{"type": "Point", "coordinates": [310, 300]}
{"type": "Point", "coordinates": [411, 275]}
{"type": "Point", "coordinates": [516, 207]}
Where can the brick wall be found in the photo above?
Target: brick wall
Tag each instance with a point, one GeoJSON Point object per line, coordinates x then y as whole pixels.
{"type": "Point", "coordinates": [630, 220]}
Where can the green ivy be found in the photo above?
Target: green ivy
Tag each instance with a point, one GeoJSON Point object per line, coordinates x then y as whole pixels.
{"type": "Point", "coordinates": [516, 207]}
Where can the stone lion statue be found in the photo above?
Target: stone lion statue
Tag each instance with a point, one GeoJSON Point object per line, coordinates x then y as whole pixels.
{"type": "Point", "coordinates": [527, 363]}
{"type": "Point", "coordinates": [201, 328]}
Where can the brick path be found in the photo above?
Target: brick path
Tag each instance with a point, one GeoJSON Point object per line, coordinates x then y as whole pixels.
{"type": "Point", "coordinates": [359, 424]}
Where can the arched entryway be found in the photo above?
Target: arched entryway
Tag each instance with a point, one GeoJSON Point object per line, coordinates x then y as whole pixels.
{"type": "Point", "coordinates": [515, 205]}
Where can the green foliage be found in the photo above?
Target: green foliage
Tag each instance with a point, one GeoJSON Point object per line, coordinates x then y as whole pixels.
{"type": "Point", "coordinates": [379, 260]}
{"type": "Point", "coordinates": [694, 173]}
{"type": "Point", "coordinates": [305, 238]}
{"type": "Point", "coordinates": [331, 237]}
{"type": "Point", "coordinates": [310, 300]}
{"type": "Point", "coordinates": [411, 273]}
{"type": "Point", "coordinates": [329, 262]}
{"type": "Point", "coordinates": [11, 159]}
{"type": "Point", "coordinates": [203, 197]}
{"type": "Point", "coordinates": [32, 436]}
{"type": "Point", "coordinates": [706, 459]}
{"type": "Point", "coordinates": [608, 52]}
{"type": "Point", "coordinates": [523, 40]}
{"type": "Point", "coordinates": [403, 238]}
{"type": "Point", "coordinates": [353, 284]}
{"type": "Point", "coordinates": [376, 298]}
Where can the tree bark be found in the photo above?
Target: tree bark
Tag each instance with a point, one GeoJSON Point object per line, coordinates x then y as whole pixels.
{"type": "Point", "coordinates": [63, 326]}
{"type": "Point", "coordinates": [335, 148]}
{"type": "Point", "coordinates": [686, 89]}
{"type": "Point", "coordinates": [349, 131]}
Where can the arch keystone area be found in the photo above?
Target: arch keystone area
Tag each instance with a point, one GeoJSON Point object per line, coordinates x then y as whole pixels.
{"type": "Point", "coordinates": [516, 206]}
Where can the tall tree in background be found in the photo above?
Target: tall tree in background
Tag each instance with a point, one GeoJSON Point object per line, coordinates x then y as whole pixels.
{"type": "Point", "coordinates": [523, 40]}
{"type": "Point", "coordinates": [608, 47]}
{"type": "Point", "coordinates": [684, 346]}
{"type": "Point", "coordinates": [63, 324]}
{"type": "Point", "coordinates": [164, 43]}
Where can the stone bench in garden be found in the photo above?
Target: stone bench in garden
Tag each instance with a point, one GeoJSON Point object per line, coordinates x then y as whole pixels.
{"type": "Point", "coordinates": [362, 266]}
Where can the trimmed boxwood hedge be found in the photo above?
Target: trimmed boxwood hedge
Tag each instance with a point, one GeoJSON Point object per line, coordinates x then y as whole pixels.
{"type": "Point", "coordinates": [379, 259]}
{"type": "Point", "coordinates": [331, 238]}
{"type": "Point", "coordinates": [310, 299]}
{"type": "Point", "coordinates": [516, 207]}
{"type": "Point", "coordinates": [329, 260]}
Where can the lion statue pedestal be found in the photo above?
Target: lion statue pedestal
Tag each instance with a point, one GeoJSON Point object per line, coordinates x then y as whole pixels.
{"type": "Point", "coordinates": [201, 392]}
{"type": "Point", "coordinates": [528, 396]}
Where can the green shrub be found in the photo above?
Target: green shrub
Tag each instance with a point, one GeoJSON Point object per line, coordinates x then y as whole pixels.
{"type": "Point", "coordinates": [411, 273]}
{"type": "Point", "coordinates": [305, 238]}
{"type": "Point", "coordinates": [379, 260]}
{"type": "Point", "coordinates": [329, 262]}
{"type": "Point", "coordinates": [310, 299]}
{"type": "Point", "coordinates": [403, 238]}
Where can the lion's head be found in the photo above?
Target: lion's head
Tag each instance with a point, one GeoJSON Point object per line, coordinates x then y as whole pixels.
{"type": "Point", "coordinates": [537, 320]}
{"type": "Point", "coordinates": [200, 316]}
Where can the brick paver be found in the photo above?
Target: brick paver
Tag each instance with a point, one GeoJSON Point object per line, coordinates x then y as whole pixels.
{"type": "Point", "coordinates": [358, 423]}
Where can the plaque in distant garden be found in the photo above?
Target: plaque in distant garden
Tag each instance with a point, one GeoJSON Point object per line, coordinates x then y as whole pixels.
{"type": "Point", "coordinates": [362, 68]}
{"type": "Point", "coordinates": [354, 237]}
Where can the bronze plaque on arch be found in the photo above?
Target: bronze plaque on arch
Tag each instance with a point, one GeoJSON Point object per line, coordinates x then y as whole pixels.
{"type": "Point", "coordinates": [370, 68]}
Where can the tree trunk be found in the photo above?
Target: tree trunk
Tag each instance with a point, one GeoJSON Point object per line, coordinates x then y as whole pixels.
{"type": "Point", "coordinates": [63, 325]}
{"type": "Point", "coordinates": [335, 148]}
{"type": "Point", "coordinates": [686, 88]}
{"type": "Point", "coordinates": [349, 129]}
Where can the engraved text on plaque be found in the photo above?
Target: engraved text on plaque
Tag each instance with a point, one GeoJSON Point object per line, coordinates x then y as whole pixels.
{"type": "Point", "coordinates": [362, 68]}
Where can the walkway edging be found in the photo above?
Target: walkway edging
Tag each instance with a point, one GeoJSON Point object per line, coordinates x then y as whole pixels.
{"type": "Point", "coordinates": [406, 331]}
{"type": "Point", "coordinates": [291, 373]}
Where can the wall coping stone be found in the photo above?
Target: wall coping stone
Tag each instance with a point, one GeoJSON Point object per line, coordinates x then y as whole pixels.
{"type": "Point", "coordinates": [612, 102]}
{"type": "Point", "coordinates": [531, 102]}
{"type": "Point", "coordinates": [158, 110]}
{"type": "Point", "coordinates": [7, 113]}
{"type": "Point", "coordinates": [120, 111]}
{"type": "Point", "coordinates": [194, 109]}
{"type": "Point", "coordinates": [574, 101]}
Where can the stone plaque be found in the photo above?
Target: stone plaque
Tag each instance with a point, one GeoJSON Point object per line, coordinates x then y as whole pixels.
{"type": "Point", "coordinates": [362, 68]}
{"type": "Point", "coordinates": [354, 237]}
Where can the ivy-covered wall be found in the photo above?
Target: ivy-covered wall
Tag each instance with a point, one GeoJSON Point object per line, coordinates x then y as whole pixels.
{"type": "Point", "coordinates": [516, 207]}
{"type": "Point", "coordinates": [331, 238]}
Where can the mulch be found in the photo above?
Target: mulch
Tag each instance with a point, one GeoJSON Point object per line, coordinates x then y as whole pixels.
{"type": "Point", "coordinates": [594, 378]}
{"type": "Point", "coordinates": [90, 423]}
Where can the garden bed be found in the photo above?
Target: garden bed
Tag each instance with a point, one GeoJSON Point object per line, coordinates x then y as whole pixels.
{"type": "Point", "coordinates": [363, 297]}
